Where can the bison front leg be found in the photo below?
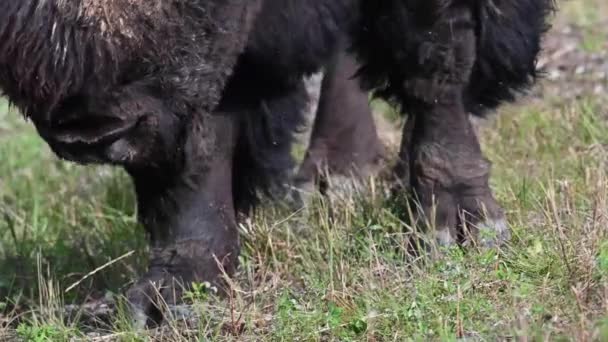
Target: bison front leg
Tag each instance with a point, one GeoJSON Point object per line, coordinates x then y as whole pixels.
{"type": "Point", "coordinates": [187, 208]}
{"type": "Point", "coordinates": [181, 166]}
{"type": "Point", "coordinates": [449, 176]}
{"type": "Point", "coordinates": [447, 170]}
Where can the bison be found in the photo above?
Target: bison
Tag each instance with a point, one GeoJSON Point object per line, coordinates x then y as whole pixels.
{"type": "Point", "coordinates": [198, 100]}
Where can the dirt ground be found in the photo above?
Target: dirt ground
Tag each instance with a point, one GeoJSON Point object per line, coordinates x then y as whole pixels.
{"type": "Point", "coordinates": [575, 62]}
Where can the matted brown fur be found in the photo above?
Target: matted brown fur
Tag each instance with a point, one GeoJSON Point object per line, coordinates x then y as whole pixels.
{"type": "Point", "coordinates": [127, 23]}
{"type": "Point", "coordinates": [71, 47]}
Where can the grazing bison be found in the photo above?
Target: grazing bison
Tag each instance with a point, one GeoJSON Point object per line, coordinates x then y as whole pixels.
{"type": "Point", "coordinates": [199, 99]}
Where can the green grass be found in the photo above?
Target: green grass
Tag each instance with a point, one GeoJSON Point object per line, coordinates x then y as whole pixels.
{"type": "Point", "coordinates": [73, 217]}
{"type": "Point", "coordinates": [345, 277]}
{"type": "Point", "coordinates": [340, 273]}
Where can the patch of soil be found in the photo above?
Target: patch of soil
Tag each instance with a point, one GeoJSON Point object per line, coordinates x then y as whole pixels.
{"type": "Point", "coordinates": [575, 62]}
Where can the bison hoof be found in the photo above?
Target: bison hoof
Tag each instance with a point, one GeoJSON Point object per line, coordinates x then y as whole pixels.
{"type": "Point", "coordinates": [299, 195]}
{"type": "Point", "coordinates": [462, 219]}
{"type": "Point", "coordinates": [172, 274]}
{"type": "Point", "coordinates": [494, 233]}
{"type": "Point", "coordinates": [482, 220]}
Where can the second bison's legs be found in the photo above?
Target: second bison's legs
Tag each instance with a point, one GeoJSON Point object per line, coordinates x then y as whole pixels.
{"type": "Point", "coordinates": [344, 140]}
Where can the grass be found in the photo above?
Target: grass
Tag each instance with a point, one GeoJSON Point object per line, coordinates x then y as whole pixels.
{"type": "Point", "coordinates": [340, 273]}
{"type": "Point", "coordinates": [345, 277]}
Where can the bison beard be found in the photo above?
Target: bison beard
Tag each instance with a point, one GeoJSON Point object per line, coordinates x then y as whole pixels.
{"type": "Point", "coordinates": [199, 99]}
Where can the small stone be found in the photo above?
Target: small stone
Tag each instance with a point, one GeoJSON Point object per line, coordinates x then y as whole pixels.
{"type": "Point", "coordinates": [580, 70]}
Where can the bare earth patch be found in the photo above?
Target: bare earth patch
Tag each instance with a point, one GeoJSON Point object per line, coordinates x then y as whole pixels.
{"type": "Point", "coordinates": [576, 62]}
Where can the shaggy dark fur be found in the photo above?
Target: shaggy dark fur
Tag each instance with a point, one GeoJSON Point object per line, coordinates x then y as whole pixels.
{"type": "Point", "coordinates": [508, 36]}
{"type": "Point", "coordinates": [199, 99]}
{"type": "Point", "coordinates": [51, 52]}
